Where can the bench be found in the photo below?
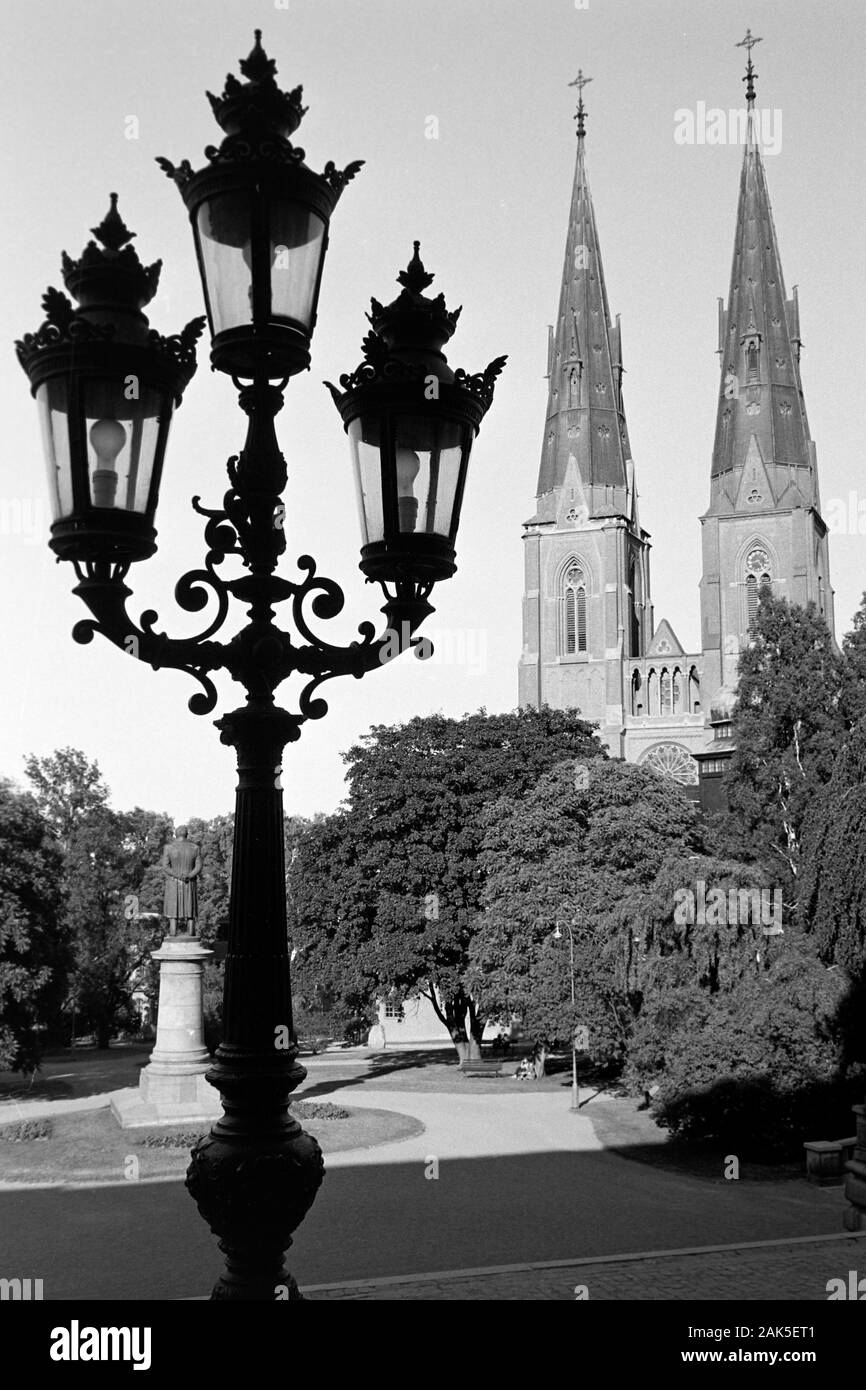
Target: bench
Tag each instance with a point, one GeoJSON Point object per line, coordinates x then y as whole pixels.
{"type": "Point", "coordinates": [489, 1066]}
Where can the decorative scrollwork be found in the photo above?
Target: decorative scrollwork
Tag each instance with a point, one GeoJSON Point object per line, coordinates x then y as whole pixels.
{"type": "Point", "coordinates": [481, 384]}
{"type": "Point", "coordinates": [61, 330]}
{"type": "Point", "coordinates": [270, 147]}
{"type": "Point", "coordinates": [180, 173]}
{"type": "Point", "coordinates": [338, 178]}
{"type": "Point", "coordinates": [179, 347]}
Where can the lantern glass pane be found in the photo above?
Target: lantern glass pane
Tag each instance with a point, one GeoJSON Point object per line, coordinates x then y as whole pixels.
{"type": "Point", "coordinates": [225, 242]}
{"type": "Point", "coordinates": [364, 437]}
{"type": "Point", "coordinates": [296, 244]}
{"type": "Point", "coordinates": [54, 421]}
{"type": "Point", "coordinates": [122, 437]}
{"type": "Point", "coordinates": [429, 456]}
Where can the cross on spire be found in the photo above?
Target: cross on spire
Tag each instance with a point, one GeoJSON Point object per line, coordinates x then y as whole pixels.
{"type": "Point", "coordinates": [580, 115]}
{"type": "Point", "coordinates": [749, 43]}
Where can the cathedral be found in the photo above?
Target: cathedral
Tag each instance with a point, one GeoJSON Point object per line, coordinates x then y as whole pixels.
{"type": "Point", "coordinates": [590, 639]}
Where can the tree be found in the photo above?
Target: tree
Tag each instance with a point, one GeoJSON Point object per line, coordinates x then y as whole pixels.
{"type": "Point", "coordinates": [66, 787]}
{"type": "Point", "coordinates": [395, 877]}
{"type": "Point", "coordinates": [833, 889]}
{"type": "Point", "coordinates": [214, 838]}
{"type": "Point", "coordinates": [107, 880]}
{"type": "Point", "coordinates": [110, 947]}
{"type": "Point", "coordinates": [33, 951]}
{"type": "Point", "coordinates": [788, 724]}
{"type": "Point", "coordinates": [854, 669]}
{"type": "Point", "coordinates": [699, 932]}
{"type": "Point", "coordinates": [331, 905]}
{"type": "Point", "coordinates": [759, 1068]}
{"type": "Point", "coordinates": [572, 851]}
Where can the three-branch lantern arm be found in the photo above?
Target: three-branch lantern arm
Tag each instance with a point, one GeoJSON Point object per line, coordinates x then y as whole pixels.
{"type": "Point", "coordinates": [107, 384]}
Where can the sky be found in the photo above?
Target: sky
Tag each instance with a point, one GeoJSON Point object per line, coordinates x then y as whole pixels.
{"type": "Point", "coordinates": [463, 114]}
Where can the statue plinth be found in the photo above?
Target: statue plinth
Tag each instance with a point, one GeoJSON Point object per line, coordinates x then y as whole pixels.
{"type": "Point", "coordinates": [172, 1088]}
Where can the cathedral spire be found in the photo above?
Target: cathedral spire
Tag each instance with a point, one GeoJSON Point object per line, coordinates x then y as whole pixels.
{"type": "Point", "coordinates": [762, 433]}
{"type": "Point", "coordinates": [585, 437]}
{"type": "Point", "coordinates": [763, 525]}
{"type": "Point", "coordinates": [749, 43]}
{"type": "Point", "coordinates": [580, 114]}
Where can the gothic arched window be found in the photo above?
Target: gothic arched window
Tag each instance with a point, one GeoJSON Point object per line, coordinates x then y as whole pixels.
{"type": "Point", "coordinates": [673, 761]}
{"type": "Point", "coordinates": [758, 580]}
{"type": "Point", "coordinates": [678, 691]}
{"type": "Point", "coordinates": [636, 701]}
{"type": "Point", "coordinates": [634, 619]}
{"type": "Point", "coordinates": [574, 618]}
{"type": "Point", "coordinates": [665, 691]}
{"type": "Point", "coordinates": [652, 693]}
{"type": "Point", "coordinates": [694, 692]}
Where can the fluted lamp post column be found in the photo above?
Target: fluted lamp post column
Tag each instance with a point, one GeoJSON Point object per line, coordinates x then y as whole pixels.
{"type": "Point", "coordinates": [106, 385]}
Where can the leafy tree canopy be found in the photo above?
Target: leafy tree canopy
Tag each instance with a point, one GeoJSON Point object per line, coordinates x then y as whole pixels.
{"type": "Point", "coordinates": [788, 724]}
{"type": "Point", "coordinates": [33, 952]}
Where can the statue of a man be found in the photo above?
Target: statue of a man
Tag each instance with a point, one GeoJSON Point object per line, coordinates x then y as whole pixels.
{"type": "Point", "coordinates": [181, 863]}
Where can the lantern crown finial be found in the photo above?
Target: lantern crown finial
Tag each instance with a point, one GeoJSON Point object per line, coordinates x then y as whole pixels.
{"type": "Point", "coordinates": [414, 320]}
{"type": "Point", "coordinates": [112, 232]}
{"type": "Point", "coordinates": [111, 272]}
{"type": "Point", "coordinates": [415, 277]}
{"type": "Point", "coordinates": [258, 67]}
{"type": "Point", "coordinates": [258, 106]}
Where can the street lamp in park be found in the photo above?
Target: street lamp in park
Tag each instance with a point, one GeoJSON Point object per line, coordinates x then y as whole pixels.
{"type": "Point", "coordinates": [106, 385]}
{"type": "Point", "coordinates": [557, 936]}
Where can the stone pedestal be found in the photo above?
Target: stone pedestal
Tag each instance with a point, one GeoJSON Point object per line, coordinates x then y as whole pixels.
{"type": "Point", "coordinates": [172, 1088]}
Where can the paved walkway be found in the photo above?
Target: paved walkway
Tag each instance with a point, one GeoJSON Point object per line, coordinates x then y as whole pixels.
{"type": "Point", "coordinates": [789, 1271]}
{"type": "Point", "coordinates": [458, 1126]}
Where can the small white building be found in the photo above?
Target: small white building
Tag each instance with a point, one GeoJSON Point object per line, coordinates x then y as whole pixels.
{"type": "Point", "coordinates": [414, 1023]}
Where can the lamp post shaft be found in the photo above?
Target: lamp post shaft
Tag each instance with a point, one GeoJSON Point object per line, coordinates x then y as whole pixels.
{"type": "Point", "coordinates": [255, 1176]}
{"type": "Point", "coordinates": [575, 1094]}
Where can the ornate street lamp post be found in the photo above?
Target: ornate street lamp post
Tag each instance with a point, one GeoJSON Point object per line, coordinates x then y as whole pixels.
{"type": "Point", "coordinates": [106, 385]}
{"type": "Point", "coordinates": [575, 1092]}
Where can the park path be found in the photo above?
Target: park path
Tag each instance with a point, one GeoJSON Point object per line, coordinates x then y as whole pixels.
{"type": "Point", "coordinates": [469, 1126]}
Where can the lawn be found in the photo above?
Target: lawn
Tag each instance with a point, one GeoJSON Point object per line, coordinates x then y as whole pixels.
{"type": "Point", "coordinates": [90, 1146]}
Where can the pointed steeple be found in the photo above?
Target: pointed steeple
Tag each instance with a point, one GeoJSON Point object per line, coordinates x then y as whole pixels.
{"type": "Point", "coordinates": [761, 416]}
{"type": "Point", "coordinates": [586, 429]}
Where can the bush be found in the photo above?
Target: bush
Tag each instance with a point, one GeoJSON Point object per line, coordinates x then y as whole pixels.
{"type": "Point", "coordinates": [212, 1006]}
{"type": "Point", "coordinates": [319, 1110]}
{"type": "Point", "coordinates": [26, 1131]}
{"type": "Point", "coordinates": [759, 1070]}
{"type": "Point", "coordinates": [180, 1139]}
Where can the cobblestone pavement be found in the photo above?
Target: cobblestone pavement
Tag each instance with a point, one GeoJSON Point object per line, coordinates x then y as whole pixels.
{"type": "Point", "coordinates": [789, 1271]}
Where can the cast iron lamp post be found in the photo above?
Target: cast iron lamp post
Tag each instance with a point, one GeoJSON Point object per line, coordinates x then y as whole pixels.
{"type": "Point", "coordinates": [106, 385]}
{"type": "Point", "coordinates": [557, 936]}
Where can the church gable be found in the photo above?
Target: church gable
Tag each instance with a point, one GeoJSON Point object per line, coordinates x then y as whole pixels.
{"type": "Point", "coordinates": [755, 489]}
{"type": "Point", "coordinates": [573, 509]}
{"type": "Point", "coordinates": [665, 641]}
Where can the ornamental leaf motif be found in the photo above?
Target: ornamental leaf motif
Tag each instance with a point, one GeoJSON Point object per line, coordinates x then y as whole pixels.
{"type": "Point", "coordinates": [338, 178]}
{"type": "Point", "coordinates": [58, 307]}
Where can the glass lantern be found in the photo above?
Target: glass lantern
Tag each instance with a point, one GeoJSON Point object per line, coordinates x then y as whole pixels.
{"type": "Point", "coordinates": [106, 386]}
{"type": "Point", "coordinates": [411, 423]}
{"type": "Point", "coordinates": [260, 221]}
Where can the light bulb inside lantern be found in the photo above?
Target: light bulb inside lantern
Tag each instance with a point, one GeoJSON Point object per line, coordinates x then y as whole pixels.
{"type": "Point", "coordinates": [108, 438]}
{"type": "Point", "coordinates": [408, 468]}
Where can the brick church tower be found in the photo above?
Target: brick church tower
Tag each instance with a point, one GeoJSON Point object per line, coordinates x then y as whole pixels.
{"type": "Point", "coordinates": [589, 637]}
{"type": "Point", "coordinates": [587, 593]}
